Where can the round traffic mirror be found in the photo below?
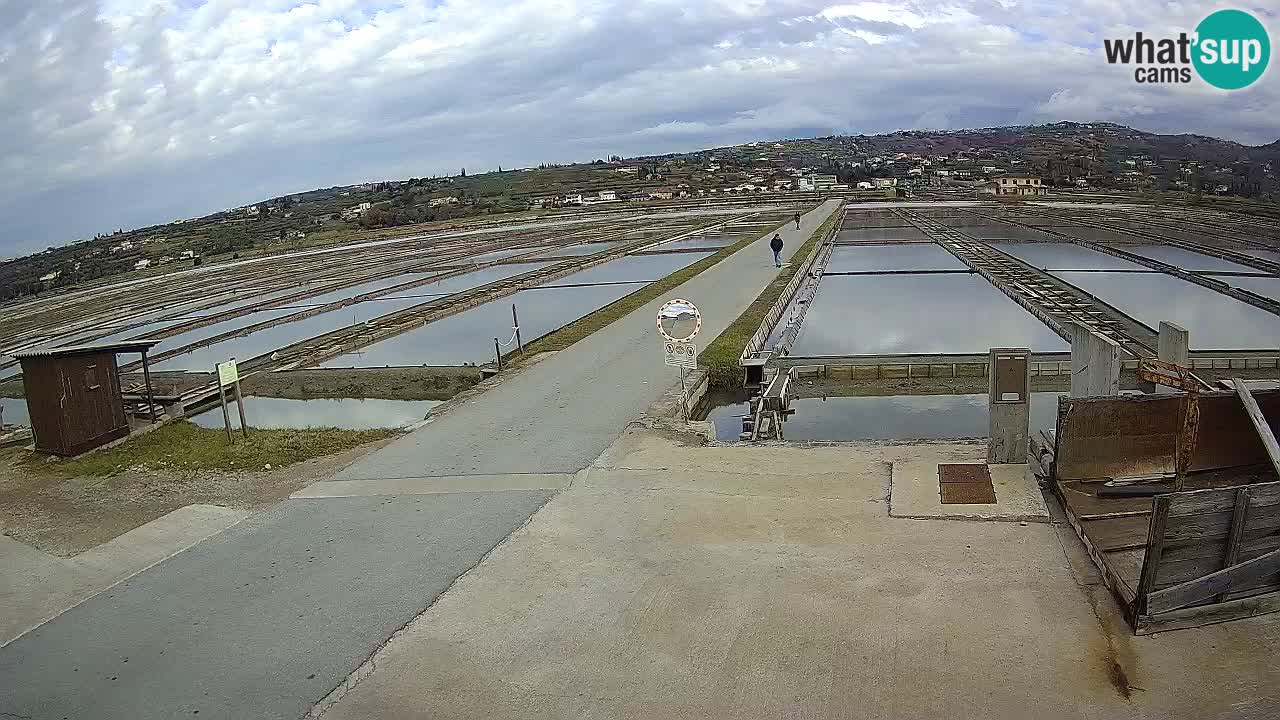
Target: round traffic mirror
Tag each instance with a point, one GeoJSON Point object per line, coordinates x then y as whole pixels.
{"type": "Point", "coordinates": [679, 320]}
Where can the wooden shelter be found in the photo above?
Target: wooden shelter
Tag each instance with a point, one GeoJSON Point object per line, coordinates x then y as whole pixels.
{"type": "Point", "coordinates": [73, 394]}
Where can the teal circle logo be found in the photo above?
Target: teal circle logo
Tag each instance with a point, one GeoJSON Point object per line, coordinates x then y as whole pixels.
{"type": "Point", "coordinates": [1232, 49]}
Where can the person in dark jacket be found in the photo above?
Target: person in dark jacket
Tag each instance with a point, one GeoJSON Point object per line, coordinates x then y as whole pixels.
{"type": "Point", "coordinates": [776, 245]}
{"type": "Point", "coordinates": [797, 219]}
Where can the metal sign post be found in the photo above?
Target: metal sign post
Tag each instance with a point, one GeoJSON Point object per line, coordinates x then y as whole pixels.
{"type": "Point", "coordinates": [679, 322]}
{"type": "Point", "coordinates": [229, 377]}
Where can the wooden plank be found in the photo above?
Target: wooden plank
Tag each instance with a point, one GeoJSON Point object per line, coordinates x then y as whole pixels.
{"type": "Point", "coordinates": [1224, 580]}
{"type": "Point", "coordinates": [1217, 526]}
{"type": "Point", "coordinates": [1122, 533]}
{"type": "Point", "coordinates": [1119, 587]}
{"type": "Point", "coordinates": [1176, 572]}
{"type": "Point", "coordinates": [1126, 563]}
{"type": "Point", "coordinates": [1155, 547]}
{"type": "Point", "coordinates": [1201, 502]}
{"type": "Point", "coordinates": [1231, 553]}
{"type": "Point", "coordinates": [1260, 423]}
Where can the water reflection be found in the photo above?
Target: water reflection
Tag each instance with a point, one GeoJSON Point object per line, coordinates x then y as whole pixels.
{"type": "Point", "coordinates": [1186, 259]}
{"type": "Point", "coordinates": [878, 314]}
{"type": "Point", "coordinates": [889, 417]}
{"type": "Point", "coordinates": [1007, 232]}
{"type": "Point", "coordinates": [468, 336]}
{"type": "Point", "coordinates": [710, 242]}
{"type": "Point", "coordinates": [919, 256]}
{"type": "Point", "coordinates": [13, 411]}
{"type": "Point", "coordinates": [347, 413]}
{"type": "Point", "coordinates": [1215, 321]}
{"type": "Point", "coordinates": [1065, 256]}
{"type": "Point", "coordinates": [278, 336]}
{"type": "Point", "coordinates": [1264, 286]}
{"type": "Point", "coordinates": [880, 233]}
{"type": "Point", "coordinates": [577, 250]}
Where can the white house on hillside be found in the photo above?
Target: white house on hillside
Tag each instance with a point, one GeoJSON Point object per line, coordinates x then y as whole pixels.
{"type": "Point", "coordinates": [1015, 185]}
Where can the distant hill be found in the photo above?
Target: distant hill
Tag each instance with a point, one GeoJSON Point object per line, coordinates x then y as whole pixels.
{"type": "Point", "coordinates": [1109, 154]}
{"type": "Point", "coordinates": [1102, 155]}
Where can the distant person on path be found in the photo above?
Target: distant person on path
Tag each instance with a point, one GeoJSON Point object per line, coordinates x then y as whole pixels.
{"type": "Point", "coordinates": [776, 245]}
{"type": "Point", "coordinates": [797, 221]}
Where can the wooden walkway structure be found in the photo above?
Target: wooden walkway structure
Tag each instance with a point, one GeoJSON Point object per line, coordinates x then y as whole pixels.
{"type": "Point", "coordinates": [1057, 304]}
{"type": "Point", "coordinates": [1259, 301]}
{"type": "Point", "coordinates": [1176, 559]}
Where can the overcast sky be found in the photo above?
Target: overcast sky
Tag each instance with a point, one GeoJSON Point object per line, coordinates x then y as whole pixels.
{"type": "Point", "coordinates": [120, 113]}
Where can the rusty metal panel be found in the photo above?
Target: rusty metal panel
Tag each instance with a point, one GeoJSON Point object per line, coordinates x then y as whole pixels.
{"type": "Point", "coordinates": [965, 484]}
{"type": "Point", "coordinates": [964, 473]}
{"type": "Point", "coordinates": [955, 493]}
{"type": "Point", "coordinates": [1137, 435]}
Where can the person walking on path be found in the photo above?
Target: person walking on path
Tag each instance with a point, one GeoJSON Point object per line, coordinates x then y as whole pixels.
{"type": "Point", "coordinates": [776, 245]}
{"type": "Point", "coordinates": [797, 219]}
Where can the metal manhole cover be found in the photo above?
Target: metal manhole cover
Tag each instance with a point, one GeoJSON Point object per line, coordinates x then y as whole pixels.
{"type": "Point", "coordinates": [965, 484]}
{"type": "Point", "coordinates": [968, 494]}
{"type": "Point", "coordinates": [964, 473]}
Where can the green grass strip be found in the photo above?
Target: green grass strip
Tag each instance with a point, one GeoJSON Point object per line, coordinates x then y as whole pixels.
{"type": "Point", "coordinates": [721, 357]}
{"type": "Point", "coordinates": [588, 324]}
{"type": "Point", "coordinates": [183, 446]}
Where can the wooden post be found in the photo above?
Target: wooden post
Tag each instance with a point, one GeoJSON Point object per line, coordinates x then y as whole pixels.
{"type": "Point", "coordinates": [497, 351]}
{"type": "Point", "coordinates": [515, 323]}
{"type": "Point", "coordinates": [1151, 561]}
{"type": "Point", "coordinates": [146, 375]}
{"type": "Point", "coordinates": [226, 416]}
{"type": "Point", "coordinates": [244, 424]}
{"type": "Point", "coordinates": [1259, 423]}
{"type": "Point", "coordinates": [1239, 516]}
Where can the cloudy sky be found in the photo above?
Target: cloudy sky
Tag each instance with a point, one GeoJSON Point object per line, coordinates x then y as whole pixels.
{"type": "Point", "coordinates": [119, 113]}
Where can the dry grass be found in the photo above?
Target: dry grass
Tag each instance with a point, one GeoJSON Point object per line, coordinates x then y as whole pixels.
{"type": "Point", "coordinates": [184, 447]}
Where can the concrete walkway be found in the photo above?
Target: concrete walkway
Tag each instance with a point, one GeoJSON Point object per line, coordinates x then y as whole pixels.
{"type": "Point", "coordinates": [263, 620]}
{"type": "Point", "coordinates": [559, 415]}
{"type": "Point", "coordinates": [681, 582]}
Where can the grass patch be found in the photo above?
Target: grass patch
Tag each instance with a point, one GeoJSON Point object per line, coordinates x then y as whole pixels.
{"type": "Point", "coordinates": [721, 356]}
{"type": "Point", "coordinates": [588, 324]}
{"type": "Point", "coordinates": [183, 446]}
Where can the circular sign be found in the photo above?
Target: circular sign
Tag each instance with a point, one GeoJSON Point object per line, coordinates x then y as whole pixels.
{"type": "Point", "coordinates": [679, 320]}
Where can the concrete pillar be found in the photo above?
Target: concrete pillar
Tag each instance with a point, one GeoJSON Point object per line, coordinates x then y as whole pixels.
{"type": "Point", "coordinates": [1095, 364]}
{"type": "Point", "coordinates": [1174, 344]}
{"type": "Point", "coordinates": [1008, 405]}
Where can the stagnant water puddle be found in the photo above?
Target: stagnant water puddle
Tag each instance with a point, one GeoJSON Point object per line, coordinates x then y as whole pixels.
{"type": "Point", "coordinates": [882, 417]}
{"type": "Point", "coordinates": [346, 413]}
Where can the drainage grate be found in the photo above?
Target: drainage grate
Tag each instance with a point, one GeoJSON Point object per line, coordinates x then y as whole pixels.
{"type": "Point", "coordinates": [965, 484]}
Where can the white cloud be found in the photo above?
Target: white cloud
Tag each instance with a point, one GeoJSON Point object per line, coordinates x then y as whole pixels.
{"type": "Point", "coordinates": [136, 111]}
